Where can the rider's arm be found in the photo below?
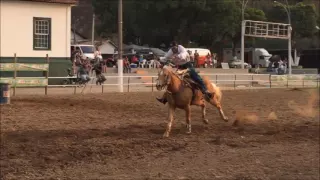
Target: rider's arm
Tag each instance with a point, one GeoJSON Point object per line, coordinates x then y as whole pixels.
{"type": "Point", "coordinates": [183, 55]}
{"type": "Point", "coordinates": [166, 57]}
{"type": "Point", "coordinates": [181, 49]}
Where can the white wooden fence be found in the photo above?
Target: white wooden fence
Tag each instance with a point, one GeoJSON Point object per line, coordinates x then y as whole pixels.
{"type": "Point", "coordinates": [224, 81]}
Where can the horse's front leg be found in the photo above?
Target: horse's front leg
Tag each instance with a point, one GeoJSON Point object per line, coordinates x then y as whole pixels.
{"type": "Point", "coordinates": [188, 118]}
{"type": "Point", "coordinates": [170, 120]}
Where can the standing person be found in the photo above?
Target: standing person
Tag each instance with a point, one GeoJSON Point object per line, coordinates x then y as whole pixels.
{"type": "Point", "coordinates": [196, 59]}
{"type": "Point", "coordinates": [191, 58]}
{"type": "Point", "coordinates": [83, 74]}
{"type": "Point", "coordinates": [98, 70]}
{"type": "Point", "coordinates": [97, 55]}
{"type": "Point", "coordinates": [208, 60]}
{"type": "Point", "coordinates": [126, 65]}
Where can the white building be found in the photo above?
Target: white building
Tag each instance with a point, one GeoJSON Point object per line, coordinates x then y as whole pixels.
{"type": "Point", "coordinates": [31, 29]}
{"type": "Point", "coordinates": [34, 28]}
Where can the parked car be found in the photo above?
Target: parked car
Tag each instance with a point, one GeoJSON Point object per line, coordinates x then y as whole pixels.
{"type": "Point", "coordinates": [87, 51]}
{"type": "Point", "coordinates": [237, 64]}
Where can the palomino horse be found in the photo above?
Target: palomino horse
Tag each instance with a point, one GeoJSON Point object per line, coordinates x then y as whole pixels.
{"type": "Point", "coordinates": [180, 94]}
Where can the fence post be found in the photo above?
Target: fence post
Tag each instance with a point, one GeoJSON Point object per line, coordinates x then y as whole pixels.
{"type": "Point", "coordinates": [102, 88]}
{"type": "Point", "coordinates": [152, 84]}
{"type": "Point", "coordinates": [234, 82]}
{"type": "Point", "coordinates": [15, 74]}
{"type": "Point", "coordinates": [318, 82]}
{"type": "Point", "coordinates": [47, 76]}
{"type": "Point", "coordinates": [270, 80]}
{"type": "Point", "coordinates": [287, 80]}
{"type": "Point", "coordinates": [251, 80]}
{"type": "Point", "coordinates": [216, 78]}
{"type": "Point", "coordinates": [75, 89]}
{"type": "Point", "coordinates": [303, 81]}
{"type": "Point", "coordinates": [128, 83]}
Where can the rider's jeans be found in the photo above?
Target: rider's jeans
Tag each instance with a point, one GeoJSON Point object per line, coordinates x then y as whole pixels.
{"type": "Point", "coordinates": [85, 77]}
{"type": "Point", "coordinates": [195, 76]}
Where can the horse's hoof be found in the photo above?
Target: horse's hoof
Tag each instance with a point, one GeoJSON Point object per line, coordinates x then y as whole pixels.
{"type": "Point", "coordinates": [226, 119]}
{"type": "Point", "coordinates": [188, 132]}
{"type": "Point", "coordinates": [165, 135]}
{"type": "Point", "coordinates": [205, 121]}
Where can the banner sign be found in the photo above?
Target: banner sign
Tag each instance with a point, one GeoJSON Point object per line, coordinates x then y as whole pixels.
{"type": "Point", "coordinates": [23, 67]}
{"type": "Point", "coordinates": [23, 82]}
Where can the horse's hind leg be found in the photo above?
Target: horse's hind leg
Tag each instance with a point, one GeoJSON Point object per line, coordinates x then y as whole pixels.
{"type": "Point", "coordinates": [217, 104]}
{"type": "Point", "coordinates": [188, 119]}
{"type": "Point", "coordinates": [203, 109]}
{"type": "Point", "coordinates": [199, 101]}
{"type": "Point", "coordinates": [170, 120]}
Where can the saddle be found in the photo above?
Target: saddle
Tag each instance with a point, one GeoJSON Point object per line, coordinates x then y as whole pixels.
{"type": "Point", "coordinates": [184, 75]}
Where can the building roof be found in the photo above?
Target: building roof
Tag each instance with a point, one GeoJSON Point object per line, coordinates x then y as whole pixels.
{"type": "Point", "coordinates": [56, 1]}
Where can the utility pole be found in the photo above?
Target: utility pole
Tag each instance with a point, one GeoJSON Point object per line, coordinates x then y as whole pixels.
{"type": "Point", "coordinates": [93, 22]}
{"type": "Point", "coordinates": [287, 9]}
{"type": "Point", "coordinates": [243, 7]}
{"type": "Point", "coordinates": [120, 51]}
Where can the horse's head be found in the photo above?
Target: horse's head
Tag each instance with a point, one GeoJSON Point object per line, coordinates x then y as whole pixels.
{"type": "Point", "coordinates": [164, 78]}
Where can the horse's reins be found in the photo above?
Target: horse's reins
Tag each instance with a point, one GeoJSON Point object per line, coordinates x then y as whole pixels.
{"type": "Point", "coordinates": [168, 83]}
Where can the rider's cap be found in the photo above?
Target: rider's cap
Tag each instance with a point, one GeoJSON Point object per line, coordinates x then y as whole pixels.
{"type": "Point", "coordinates": [174, 43]}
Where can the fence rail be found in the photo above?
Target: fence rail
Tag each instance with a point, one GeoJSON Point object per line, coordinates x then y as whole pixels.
{"type": "Point", "coordinates": [225, 81]}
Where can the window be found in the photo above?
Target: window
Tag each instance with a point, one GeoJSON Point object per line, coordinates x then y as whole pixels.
{"type": "Point", "coordinates": [41, 33]}
{"type": "Point", "coordinates": [87, 49]}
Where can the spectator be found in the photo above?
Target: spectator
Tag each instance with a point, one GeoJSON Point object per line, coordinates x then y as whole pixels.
{"type": "Point", "coordinates": [276, 66]}
{"type": "Point", "coordinates": [134, 59]}
{"type": "Point", "coordinates": [83, 74]}
{"type": "Point", "coordinates": [97, 55]}
{"type": "Point", "coordinates": [126, 65]}
{"type": "Point", "coordinates": [214, 60]}
{"type": "Point", "coordinates": [196, 59]}
{"type": "Point", "coordinates": [208, 60]}
{"type": "Point", "coordinates": [191, 57]}
{"type": "Point", "coordinates": [77, 56]}
{"type": "Point", "coordinates": [140, 58]}
{"type": "Point", "coordinates": [98, 70]}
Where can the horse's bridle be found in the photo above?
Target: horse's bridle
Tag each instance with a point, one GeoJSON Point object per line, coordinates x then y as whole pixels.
{"type": "Point", "coordinates": [167, 82]}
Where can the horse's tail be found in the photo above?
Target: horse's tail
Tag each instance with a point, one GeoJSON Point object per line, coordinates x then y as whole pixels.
{"type": "Point", "coordinates": [212, 88]}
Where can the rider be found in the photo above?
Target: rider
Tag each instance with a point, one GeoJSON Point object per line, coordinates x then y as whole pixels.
{"type": "Point", "coordinates": [180, 57]}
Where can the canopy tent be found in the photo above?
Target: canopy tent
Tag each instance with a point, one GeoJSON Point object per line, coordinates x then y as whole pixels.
{"type": "Point", "coordinates": [107, 47]}
{"type": "Point", "coordinates": [156, 51]}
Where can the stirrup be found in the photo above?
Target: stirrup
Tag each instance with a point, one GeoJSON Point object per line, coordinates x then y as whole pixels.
{"type": "Point", "coordinates": [163, 101]}
{"type": "Point", "coordinates": [208, 95]}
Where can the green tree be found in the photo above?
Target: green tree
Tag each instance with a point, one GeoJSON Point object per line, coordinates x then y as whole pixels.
{"type": "Point", "coordinates": [234, 31]}
{"type": "Point", "coordinates": [303, 19]}
{"type": "Point", "coordinates": [204, 22]}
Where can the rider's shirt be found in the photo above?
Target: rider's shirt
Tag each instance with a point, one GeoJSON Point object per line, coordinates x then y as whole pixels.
{"type": "Point", "coordinates": [180, 58]}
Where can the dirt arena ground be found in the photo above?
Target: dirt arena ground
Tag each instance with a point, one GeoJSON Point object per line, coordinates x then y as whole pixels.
{"type": "Point", "coordinates": [119, 136]}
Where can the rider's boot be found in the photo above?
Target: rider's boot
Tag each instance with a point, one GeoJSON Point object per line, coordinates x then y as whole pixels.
{"type": "Point", "coordinates": [208, 94]}
{"type": "Point", "coordinates": [203, 87]}
{"type": "Point", "coordinates": [163, 100]}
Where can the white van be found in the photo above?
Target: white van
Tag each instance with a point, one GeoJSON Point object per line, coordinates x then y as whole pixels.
{"type": "Point", "coordinates": [87, 51]}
